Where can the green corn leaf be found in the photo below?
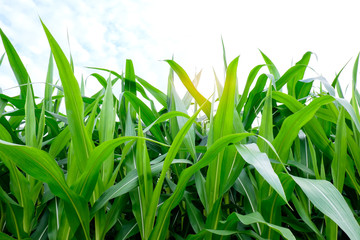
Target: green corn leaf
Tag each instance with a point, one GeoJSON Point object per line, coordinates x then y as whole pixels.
{"type": "Point", "coordinates": [253, 101]}
{"type": "Point", "coordinates": [257, 218]}
{"type": "Point", "coordinates": [20, 187]}
{"type": "Point", "coordinates": [160, 96]}
{"type": "Point", "coordinates": [313, 128]}
{"type": "Point", "coordinates": [5, 236]}
{"type": "Point", "coordinates": [2, 105]}
{"type": "Point", "coordinates": [82, 86]}
{"type": "Point", "coordinates": [130, 77]}
{"type": "Point", "coordinates": [174, 148]}
{"type": "Point", "coordinates": [317, 134]}
{"type": "Point", "coordinates": [219, 86]}
{"type": "Point", "coordinates": [18, 103]}
{"type": "Point", "coordinates": [128, 183]}
{"type": "Point", "coordinates": [164, 211]}
{"type": "Point", "coordinates": [17, 66]}
{"type": "Point", "coordinates": [86, 182]}
{"type": "Point", "coordinates": [351, 112]}
{"type": "Point", "coordinates": [165, 117]}
{"type": "Point", "coordinates": [330, 202]}
{"type": "Point", "coordinates": [336, 79]}
{"type": "Point", "coordinates": [71, 58]}
{"type": "Point", "coordinates": [253, 156]}
{"type": "Point", "coordinates": [248, 219]}
{"type": "Point", "coordinates": [100, 79]}
{"type": "Point", "coordinates": [213, 217]}
{"type": "Point", "coordinates": [73, 103]}
{"type": "Point", "coordinates": [200, 99]}
{"type": "Point", "coordinates": [147, 115]}
{"type": "Point", "coordinates": [353, 86]}
{"type": "Point", "coordinates": [223, 121]}
{"type": "Point", "coordinates": [266, 127]}
{"type": "Point", "coordinates": [243, 185]}
{"type": "Point", "coordinates": [289, 75]}
{"type": "Point", "coordinates": [171, 106]}
{"type": "Point", "coordinates": [2, 58]}
{"type": "Point", "coordinates": [249, 81]}
{"type": "Point", "coordinates": [54, 218]}
{"type": "Point", "coordinates": [338, 164]}
{"type": "Point", "coordinates": [201, 235]}
{"type": "Point", "coordinates": [4, 134]}
{"type": "Point", "coordinates": [294, 123]}
{"type": "Point", "coordinates": [41, 127]}
{"type": "Point", "coordinates": [128, 230]}
{"type": "Point", "coordinates": [48, 86]}
{"type": "Point", "coordinates": [231, 168]}
{"type": "Point", "coordinates": [14, 216]}
{"type": "Point", "coordinates": [356, 124]}
{"type": "Point", "coordinates": [188, 98]}
{"type": "Point", "coordinates": [90, 124]}
{"type": "Point", "coordinates": [313, 157]}
{"type": "Point", "coordinates": [305, 215]}
{"type": "Point", "coordinates": [322, 80]}
{"type": "Point", "coordinates": [41, 166]}
{"type": "Point", "coordinates": [30, 128]}
{"type": "Point", "coordinates": [112, 215]}
{"type": "Point", "coordinates": [272, 69]}
{"type": "Point", "coordinates": [357, 96]}
{"type": "Point", "coordinates": [189, 140]}
{"type": "Point", "coordinates": [41, 228]}
{"type": "Point", "coordinates": [143, 166]}
{"type": "Point", "coordinates": [106, 129]}
{"type": "Point", "coordinates": [195, 216]}
{"type": "Point", "coordinates": [5, 197]}
{"type": "Point", "coordinates": [222, 126]}
{"type": "Point", "coordinates": [224, 54]}
{"type": "Point", "coordinates": [145, 181]}
{"type": "Point", "coordinates": [60, 141]}
{"type": "Point", "coordinates": [297, 88]}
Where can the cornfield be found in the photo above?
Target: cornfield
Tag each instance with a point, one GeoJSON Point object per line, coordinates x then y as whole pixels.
{"type": "Point", "coordinates": [279, 160]}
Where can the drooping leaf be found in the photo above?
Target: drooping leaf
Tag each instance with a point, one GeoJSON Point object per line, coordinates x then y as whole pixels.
{"type": "Point", "coordinates": [41, 166]}
{"type": "Point", "coordinates": [253, 156]}
{"type": "Point", "coordinates": [329, 201]}
{"type": "Point", "coordinates": [160, 96]}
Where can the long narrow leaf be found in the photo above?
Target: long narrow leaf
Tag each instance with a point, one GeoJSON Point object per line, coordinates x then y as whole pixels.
{"type": "Point", "coordinates": [261, 162]}
{"type": "Point", "coordinates": [339, 163]}
{"type": "Point", "coordinates": [164, 212]}
{"type": "Point", "coordinates": [41, 166]}
{"type": "Point", "coordinates": [200, 99]}
{"type": "Point", "coordinates": [329, 201]}
{"type": "Point", "coordinates": [73, 103]}
{"type": "Point", "coordinates": [17, 66]}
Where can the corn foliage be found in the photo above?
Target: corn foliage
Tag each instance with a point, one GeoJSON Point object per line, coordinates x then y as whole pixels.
{"type": "Point", "coordinates": [279, 160]}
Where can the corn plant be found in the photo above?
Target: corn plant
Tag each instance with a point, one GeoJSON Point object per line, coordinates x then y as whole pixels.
{"type": "Point", "coordinates": [279, 160]}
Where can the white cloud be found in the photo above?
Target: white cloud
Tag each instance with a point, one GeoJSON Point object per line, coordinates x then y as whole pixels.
{"type": "Point", "coordinates": [105, 33]}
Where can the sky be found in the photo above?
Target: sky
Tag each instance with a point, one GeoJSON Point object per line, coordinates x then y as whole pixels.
{"type": "Point", "coordinates": [106, 33]}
